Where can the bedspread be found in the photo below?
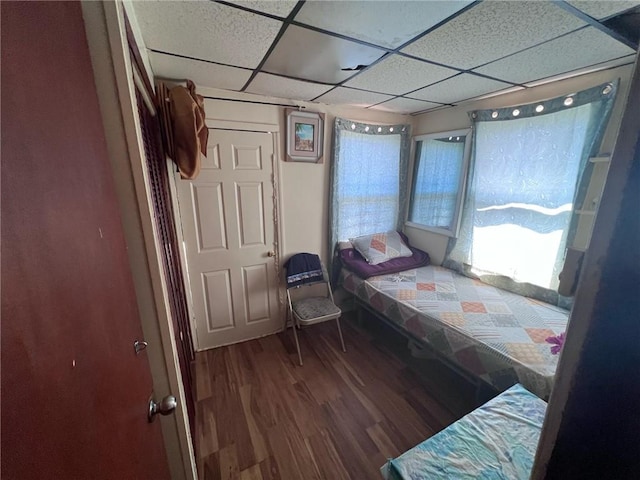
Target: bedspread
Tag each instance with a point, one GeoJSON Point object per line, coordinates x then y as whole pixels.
{"type": "Point", "coordinates": [496, 441]}
{"type": "Point", "coordinates": [494, 334]}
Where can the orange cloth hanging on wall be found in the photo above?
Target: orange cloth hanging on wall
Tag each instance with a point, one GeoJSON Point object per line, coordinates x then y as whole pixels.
{"type": "Point", "coordinates": [190, 132]}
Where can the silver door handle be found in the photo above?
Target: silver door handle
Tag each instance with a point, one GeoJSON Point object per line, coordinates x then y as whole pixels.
{"type": "Point", "coordinates": [271, 253]}
{"type": "Point", "coordinates": [166, 406]}
{"type": "Point", "coordinates": [138, 346]}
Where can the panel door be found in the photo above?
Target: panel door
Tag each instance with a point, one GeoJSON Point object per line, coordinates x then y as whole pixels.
{"type": "Point", "coordinates": [227, 216]}
{"type": "Point", "coordinates": [74, 393]}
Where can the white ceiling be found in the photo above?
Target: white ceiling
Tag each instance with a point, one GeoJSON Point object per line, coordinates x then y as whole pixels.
{"type": "Point", "coordinates": [491, 30]}
{"type": "Point", "coordinates": [410, 56]}
{"type": "Point", "coordinates": [298, 45]}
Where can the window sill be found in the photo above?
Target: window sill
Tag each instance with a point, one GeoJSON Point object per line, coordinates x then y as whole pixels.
{"type": "Point", "coordinates": [440, 231]}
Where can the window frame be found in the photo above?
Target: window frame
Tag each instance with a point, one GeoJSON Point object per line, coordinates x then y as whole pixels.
{"type": "Point", "coordinates": [462, 183]}
{"type": "Point", "coordinates": [337, 213]}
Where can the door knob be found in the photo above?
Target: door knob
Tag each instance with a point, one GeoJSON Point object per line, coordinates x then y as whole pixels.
{"type": "Point", "coordinates": [166, 406]}
{"type": "Point", "coordinates": [138, 346]}
{"type": "Point", "coordinates": [271, 253]}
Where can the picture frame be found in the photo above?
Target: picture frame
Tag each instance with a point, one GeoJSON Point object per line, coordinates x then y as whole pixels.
{"type": "Point", "coordinates": [305, 136]}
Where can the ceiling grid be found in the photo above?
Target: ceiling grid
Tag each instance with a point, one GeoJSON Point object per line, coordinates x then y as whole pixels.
{"type": "Point", "coordinates": [404, 57]}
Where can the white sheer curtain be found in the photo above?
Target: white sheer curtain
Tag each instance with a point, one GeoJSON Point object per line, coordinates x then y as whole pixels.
{"type": "Point", "coordinates": [436, 182]}
{"type": "Point", "coordinates": [369, 190]}
{"type": "Point", "coordinates": [369, 178]}
{"type": "Point", "coordinates": [525, 175]}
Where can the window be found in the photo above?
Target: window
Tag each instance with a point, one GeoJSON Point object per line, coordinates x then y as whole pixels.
{"type": "Point", "coordinates": [530, 172]}
{"type": "Point", "coordinates": [439, 172]}
{"type": "Point", "coordinates": [526, 174]}
{"type": "Point", "coordinates": [369, 173]}
{"type": "Point", "coordinates": [369, 187]}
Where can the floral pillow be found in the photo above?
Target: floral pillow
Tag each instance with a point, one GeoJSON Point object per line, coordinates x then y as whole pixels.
{"type": "Point", "coordinates": [381, 247]}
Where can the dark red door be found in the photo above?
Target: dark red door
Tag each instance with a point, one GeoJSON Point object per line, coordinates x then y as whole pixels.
{"type": "Point", "coordinates": [74, 394]}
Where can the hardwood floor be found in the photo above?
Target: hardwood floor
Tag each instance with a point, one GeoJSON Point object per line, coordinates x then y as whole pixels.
{"type": "Point", "coordinates": [261, 416]}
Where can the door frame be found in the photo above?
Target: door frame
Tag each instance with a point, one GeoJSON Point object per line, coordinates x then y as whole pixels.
{"type": "Point", "coordinates": [274, 131]}
{"type": "Point", "coordinates": [113, 74]}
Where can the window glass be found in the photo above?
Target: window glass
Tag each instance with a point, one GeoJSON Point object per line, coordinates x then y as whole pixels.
{"type": "Point", "coordinates": [438, 179]}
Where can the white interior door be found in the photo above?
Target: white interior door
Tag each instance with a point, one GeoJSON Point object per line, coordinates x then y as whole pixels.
{"type": "Point", "coordinates": [228, 226]}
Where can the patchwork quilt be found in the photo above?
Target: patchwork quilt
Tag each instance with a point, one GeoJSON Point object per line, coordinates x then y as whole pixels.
{"type": "Point", "coordinates": [496, 441]}
{"type": "Point", "coordinates": [494, 334]}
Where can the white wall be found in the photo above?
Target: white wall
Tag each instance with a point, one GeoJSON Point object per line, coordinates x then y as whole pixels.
{"type": "Point", "coordinates": [304, 187]}
{"type": "Point", "coordinates": [457, 118]}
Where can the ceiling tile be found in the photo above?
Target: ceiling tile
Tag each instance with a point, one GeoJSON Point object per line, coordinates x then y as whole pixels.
{"type": "Point", "coordinates": [571, 52]}
{"type": "Point", "coordinates": [491, 30]}
{"type": "Point", "coordinates": [281, 8]}
{"type": "Point", "coordinates": [202, 73]}
{"type": "Point", "coordinates": [603, 8]}
{"type": "Point", "coordinates": [405, 105]}
{"type": "Point", "coordinates": [397, 75]}
{"type": "Point", "coordinates": [351, 96]}
{"type": "Point", "coordinates": [618, 62]}
{"type": "Point", "coordinates": [490, 95]}
{"type": "Point", "coordinates": [275, 86]}
{"type": "Point", "coordinates": [303, 53]}
{"type": "Point", "coordinates": [437, 109]}
{"type": "Point", "coordinates": [385, 23]}
{"type": "Point", "coordinates": [206, 30]}
{"type": "Point", "coordinates": [458, 88]}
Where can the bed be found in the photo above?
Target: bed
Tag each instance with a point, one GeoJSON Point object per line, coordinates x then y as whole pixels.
{"type": "Point", "coordinates": [494, 335]}
{"type": "Point", "coordinates": [496, 441]}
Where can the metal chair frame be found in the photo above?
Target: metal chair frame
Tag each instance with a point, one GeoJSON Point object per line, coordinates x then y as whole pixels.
{"type": "Point", "coordinates": [297, 321]}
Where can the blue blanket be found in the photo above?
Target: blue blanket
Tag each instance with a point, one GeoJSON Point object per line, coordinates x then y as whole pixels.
{"type": "Point", "coordinates": [496, 441]}
{"type": "Point", "coordinates": [303, 268]}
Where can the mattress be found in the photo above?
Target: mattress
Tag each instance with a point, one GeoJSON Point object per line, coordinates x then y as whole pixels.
{"type": "Point", "coordinates": [491, 333]}
{"type": "Point", "coordinates": [496, 441]}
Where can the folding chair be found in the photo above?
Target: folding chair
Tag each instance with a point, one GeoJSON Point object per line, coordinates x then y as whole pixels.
{"type": "Point", "coordinates": [311, 309]}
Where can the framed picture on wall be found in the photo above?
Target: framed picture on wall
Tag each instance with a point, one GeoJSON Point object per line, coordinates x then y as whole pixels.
{"type": "Point", "coordinates": [305, 136]}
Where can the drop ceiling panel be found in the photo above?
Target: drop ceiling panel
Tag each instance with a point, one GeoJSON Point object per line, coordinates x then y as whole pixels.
{"type": "Point", "coordinates": [281, 8]}
{"type": "Point", "coordinates": [385, 23]}
{"type": "Point", "coordinates": [405, 105]}
{"type": "Point", "coordinates": [206, 30]}
{"type": "Point", "coordinates": [458, 88]}
{"type": "Point", "coordinates": [202, 73]}
{"type": "Point", "coordinates": [628, 60]}
{"type": "Point", "coordinates": [354, 97]}
{"type": "Point", "coordinates": [490, 95]}
{"type": "Point", "coordinates": [571, 52]}
{"type": "Point", "coordinates": [397, 75]}
{"type": "Point", "coordinates": [603, 8]}
{"type": "Point", "coordinates": [274, 86]}
{"type": "Point", "coordinates": [492, 30]}
{"type": "Point", "coordinates": [303, 53]}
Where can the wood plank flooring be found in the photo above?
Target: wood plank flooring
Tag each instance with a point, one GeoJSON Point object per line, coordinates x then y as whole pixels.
{"type": "Point", "coordinates": [260, 416]}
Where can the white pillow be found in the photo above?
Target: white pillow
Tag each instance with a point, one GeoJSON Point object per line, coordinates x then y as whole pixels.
{"type": "Point", "coordinates": [380, 247]}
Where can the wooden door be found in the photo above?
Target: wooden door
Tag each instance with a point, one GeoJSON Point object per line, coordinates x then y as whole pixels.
{"type": "Point", "coordinates": [228, 225]}
{"type": "Point", "coordinates": [74, 393]}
